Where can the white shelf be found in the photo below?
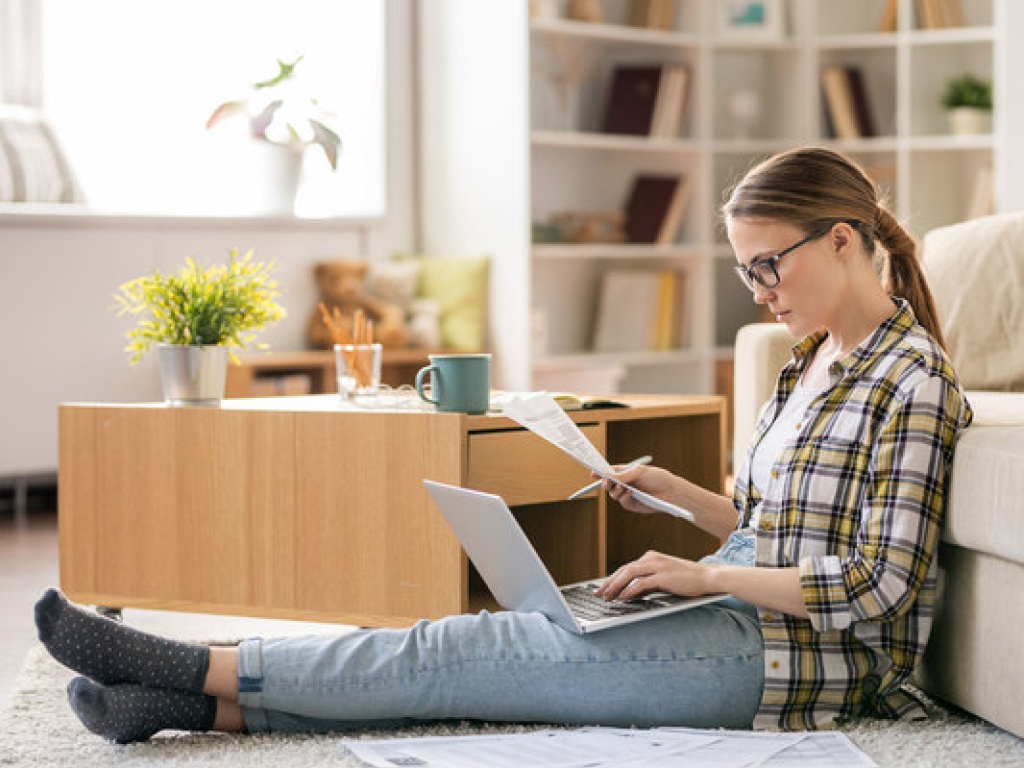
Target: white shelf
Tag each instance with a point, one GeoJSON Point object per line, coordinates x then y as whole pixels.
{"type": "Point", "coordinates": [608, 142]}
{"type": "Point", "coordinates": [614, 251]}
{"type": "Point", "coordinates": [613, 33]}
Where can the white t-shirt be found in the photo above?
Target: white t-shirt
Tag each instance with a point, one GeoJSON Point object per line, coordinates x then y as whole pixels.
{"type": "Point", "coordinates": [787, 424]}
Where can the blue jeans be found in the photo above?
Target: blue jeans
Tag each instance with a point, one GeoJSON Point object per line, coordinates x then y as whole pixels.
{"type": "Point", "coordinates": [700, 668]}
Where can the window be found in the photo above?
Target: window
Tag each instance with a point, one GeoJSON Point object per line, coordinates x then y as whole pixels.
{"type": "Point", "coordinates": [128, 87]}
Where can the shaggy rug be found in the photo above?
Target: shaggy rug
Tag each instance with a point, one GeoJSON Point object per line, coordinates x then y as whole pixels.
{"type": "Point", "coordinates": [39, 730]}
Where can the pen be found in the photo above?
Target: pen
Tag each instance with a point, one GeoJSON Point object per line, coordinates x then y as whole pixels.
{"type": "Point", "coordinates": [592, 486]}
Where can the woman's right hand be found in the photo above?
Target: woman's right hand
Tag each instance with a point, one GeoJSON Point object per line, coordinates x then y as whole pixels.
{"type": "Point", "coordinates": [653, 480]}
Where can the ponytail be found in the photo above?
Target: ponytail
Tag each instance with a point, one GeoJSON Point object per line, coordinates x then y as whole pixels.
{"type": "Point", "coordinates": [902, 275]}
{"type": "Point", "coordinates": [812, 187]}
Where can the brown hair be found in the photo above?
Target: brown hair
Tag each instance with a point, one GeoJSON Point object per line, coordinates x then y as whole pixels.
{"type": "Point", "coordinates": [813, 188]}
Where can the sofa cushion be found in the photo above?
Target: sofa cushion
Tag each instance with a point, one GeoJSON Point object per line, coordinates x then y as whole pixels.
{"type": "Point", "coordinates": [987, 484]}
{"type": "Point", "coordinates": [976, 272]}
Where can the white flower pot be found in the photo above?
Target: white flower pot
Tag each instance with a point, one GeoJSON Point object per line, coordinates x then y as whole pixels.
{"type": "Point", "coordinates": [965, 121]}
{"type": "Point", "coordinates": [193, 375]}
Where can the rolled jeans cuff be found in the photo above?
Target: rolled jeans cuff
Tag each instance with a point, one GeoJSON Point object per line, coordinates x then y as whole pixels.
{"type": "Point", "coordinates": [250, 685]}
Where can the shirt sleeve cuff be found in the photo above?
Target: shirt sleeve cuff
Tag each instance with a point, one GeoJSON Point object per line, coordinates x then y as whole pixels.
{"type": "Point", "coordinates": [824, 590]}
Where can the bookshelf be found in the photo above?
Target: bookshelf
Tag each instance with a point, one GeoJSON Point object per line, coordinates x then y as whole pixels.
{"type": "Point", "coordinates": [748, 97]}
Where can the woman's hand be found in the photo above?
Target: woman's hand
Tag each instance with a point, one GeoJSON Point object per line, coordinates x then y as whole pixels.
{"type": "Point", "coordinates": [656, 572]}
{"type": "Point", "coordinates": [653, 480]}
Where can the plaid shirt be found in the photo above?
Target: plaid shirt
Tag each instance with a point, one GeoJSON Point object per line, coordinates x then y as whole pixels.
{"type": "Point", "coordinates": [856, 502]}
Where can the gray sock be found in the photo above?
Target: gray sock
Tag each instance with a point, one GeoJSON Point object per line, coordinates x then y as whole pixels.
{"type": "Point", "coordinates": [110, 653]}
{"type": "Point", "coordinates": [126, 713]}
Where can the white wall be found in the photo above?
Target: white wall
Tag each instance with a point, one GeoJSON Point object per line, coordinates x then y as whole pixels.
{"type": "Point", "coordinates": [60, 341]}
{"type": "Point", "coordinates": [1010, 106]}
{"type": "Point", "coordinates": [474, 156]}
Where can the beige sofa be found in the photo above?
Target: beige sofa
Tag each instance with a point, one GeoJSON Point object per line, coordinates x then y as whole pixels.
{"type": "Point", "coordinates": [976, 270]}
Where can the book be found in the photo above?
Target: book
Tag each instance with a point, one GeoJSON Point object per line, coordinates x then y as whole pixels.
{"type": "Point", "coordinates": [651, 200]}
{"type": "Point", "coordinates": [861, 105]}
{"type": "Point", "coordinates": [653, 14]}
{"type": "Point", "coordinates": [627, 315]}
{"type": "Point", "coordinates": [570, 401]}
{"type": "Point", "coordinates": [668, 330]}
{"type": "Point", "coordinates": [954, 13]}
{"type": "Point", "coordinates": [839, 102]}
{"type": "Point", "coordinates": [632, 99]}
{"type": "Point", "coordinates": [670, 103]}
{"type": "Point", "coordinates": [887, 20]}
{"type": "Point", "coordinates": [668, 233]}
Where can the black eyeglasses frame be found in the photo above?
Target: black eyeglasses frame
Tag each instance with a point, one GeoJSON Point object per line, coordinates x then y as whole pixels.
{"type": "Point", "coordinates": [753, 274]}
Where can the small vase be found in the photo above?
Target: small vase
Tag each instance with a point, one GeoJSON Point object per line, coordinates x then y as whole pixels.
{"type": "Point", "coordinates": [193, 375]}
{"type": "Point", "coordinates": [966, 121]}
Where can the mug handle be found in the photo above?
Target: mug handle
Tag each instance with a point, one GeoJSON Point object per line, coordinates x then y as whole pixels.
{"type": "Point", "coordinates": [420, 376]}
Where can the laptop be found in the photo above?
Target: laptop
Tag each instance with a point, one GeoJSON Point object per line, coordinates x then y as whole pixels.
{"type": "Point", "coordinates": [518, 578]}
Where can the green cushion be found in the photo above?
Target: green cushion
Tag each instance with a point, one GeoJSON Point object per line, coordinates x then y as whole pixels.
{"type": "Point", "coordinates": [459, 285]}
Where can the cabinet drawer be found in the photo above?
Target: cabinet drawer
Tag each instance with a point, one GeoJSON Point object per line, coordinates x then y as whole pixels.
{"type": "Point", "coordinates": [526, 469]}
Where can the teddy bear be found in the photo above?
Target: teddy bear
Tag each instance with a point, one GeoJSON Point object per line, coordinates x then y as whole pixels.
{"type": "Point", "coordinates": [342, 285]}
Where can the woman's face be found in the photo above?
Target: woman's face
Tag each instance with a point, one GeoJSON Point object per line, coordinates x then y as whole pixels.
{"type": "Point", "coordinates": [806, 296]}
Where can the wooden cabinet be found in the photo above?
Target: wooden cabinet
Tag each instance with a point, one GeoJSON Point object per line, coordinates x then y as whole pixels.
{"type": "Point", "coordinates": [309, 509]}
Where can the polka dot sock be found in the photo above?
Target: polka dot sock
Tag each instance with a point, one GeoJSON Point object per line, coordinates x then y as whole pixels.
{"type": "Point", "coordinates": [109, 652]}
{"type": "Point", "coordinates": [126, 713]}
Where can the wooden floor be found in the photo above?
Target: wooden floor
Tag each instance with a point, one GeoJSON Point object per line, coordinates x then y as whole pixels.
{"type": "Point", "coordinates": [28, 565]}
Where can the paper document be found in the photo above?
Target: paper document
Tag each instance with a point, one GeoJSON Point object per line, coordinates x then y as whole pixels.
{"type": "Point", "coordinates": [616, 747]}
{"type": "Point", "coordinates": [540, 414]}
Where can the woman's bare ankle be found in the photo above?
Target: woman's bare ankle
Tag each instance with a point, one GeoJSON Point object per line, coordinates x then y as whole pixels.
{"type": "Point", "coordinates": [228, 718]}
{"type": "Point", "coordinates": [222, 675]}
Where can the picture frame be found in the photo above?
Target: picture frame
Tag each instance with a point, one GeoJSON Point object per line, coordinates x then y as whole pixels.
{"type": "Point", "coordinates": [750, 19]}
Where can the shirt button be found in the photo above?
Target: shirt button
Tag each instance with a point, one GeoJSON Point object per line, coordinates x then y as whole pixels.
{"type": "Point", "coordinates": [769, 617]}
{"type": "Point", "coordinates": [775, 474]}
{"type": "Point", "coordinates": [766, 525]}
{"type": "Point", "coordinates": [796, 427]}
{"type": "Point", "coordinates": [775, 665]}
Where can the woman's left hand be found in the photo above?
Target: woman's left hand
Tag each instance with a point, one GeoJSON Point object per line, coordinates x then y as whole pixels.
{"type": "Point", "coordinates": [655, 572]}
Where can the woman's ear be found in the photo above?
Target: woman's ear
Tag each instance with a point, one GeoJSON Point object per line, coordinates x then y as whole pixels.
{"type": "Point", "coordinates": [842, 236]}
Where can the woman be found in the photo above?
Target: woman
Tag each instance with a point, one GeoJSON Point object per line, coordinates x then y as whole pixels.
{"type": "Point", "coordinates": [829, 546]}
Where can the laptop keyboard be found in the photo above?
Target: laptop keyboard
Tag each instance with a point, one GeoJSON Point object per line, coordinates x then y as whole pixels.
{"type": "Point", "coordinates": [586, 605]}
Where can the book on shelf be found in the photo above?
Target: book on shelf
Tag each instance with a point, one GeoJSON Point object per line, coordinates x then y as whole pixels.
{"type": "Point", "coordinates": [670, 104]}
{"type": "Point", "coordinates": [632, 99]}
{"type": "Point", "coordinates": [861, 105]}
{"type": "Point", "coordinates": [646, 100]}
{"type": "Point", "coordinates": [887, 20]}
{"type": "Point", "coordinates": [639, 309]}
{"type": "Point", "coordinates": [653, 14]}
{"type": "Point", "coordinates": [940, 14]}
{"type": "Point", "coordinates": [654, 208]}
{"type": "Point", "coordinates": [847, 109]}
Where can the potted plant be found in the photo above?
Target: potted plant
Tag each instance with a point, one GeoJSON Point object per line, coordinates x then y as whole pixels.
{"type": "Point", "coordinates": [284, 121]}
{"type": "Point", "coordinates": [196, 318]}
{"type": "Point", "coordinates": [968, 103]}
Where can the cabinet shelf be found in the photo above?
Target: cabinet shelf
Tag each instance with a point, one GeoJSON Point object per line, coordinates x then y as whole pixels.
{"type": "Point", "coordinates": [613, 251]}
{"type": "Point", "coordinates": [951, 36]}
{"type": "Point", "coordinates": [613, 33]}
{"type": "Point", "coordinates": [608, 141]}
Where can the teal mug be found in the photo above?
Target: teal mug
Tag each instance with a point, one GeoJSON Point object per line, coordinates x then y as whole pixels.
{"type": "Point", "coordinates": [458, 383]}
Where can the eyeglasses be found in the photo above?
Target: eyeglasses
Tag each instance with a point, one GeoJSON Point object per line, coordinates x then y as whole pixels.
{"type": "Point", "coordinates": [763, 272]}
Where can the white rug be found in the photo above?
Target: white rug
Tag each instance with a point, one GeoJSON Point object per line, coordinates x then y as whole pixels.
{"type": "Point", "coordinates": [39, 730]}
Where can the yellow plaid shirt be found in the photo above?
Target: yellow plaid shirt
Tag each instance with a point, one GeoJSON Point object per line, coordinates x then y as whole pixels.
{"type": "Point", "coordinates": [856, 502]}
